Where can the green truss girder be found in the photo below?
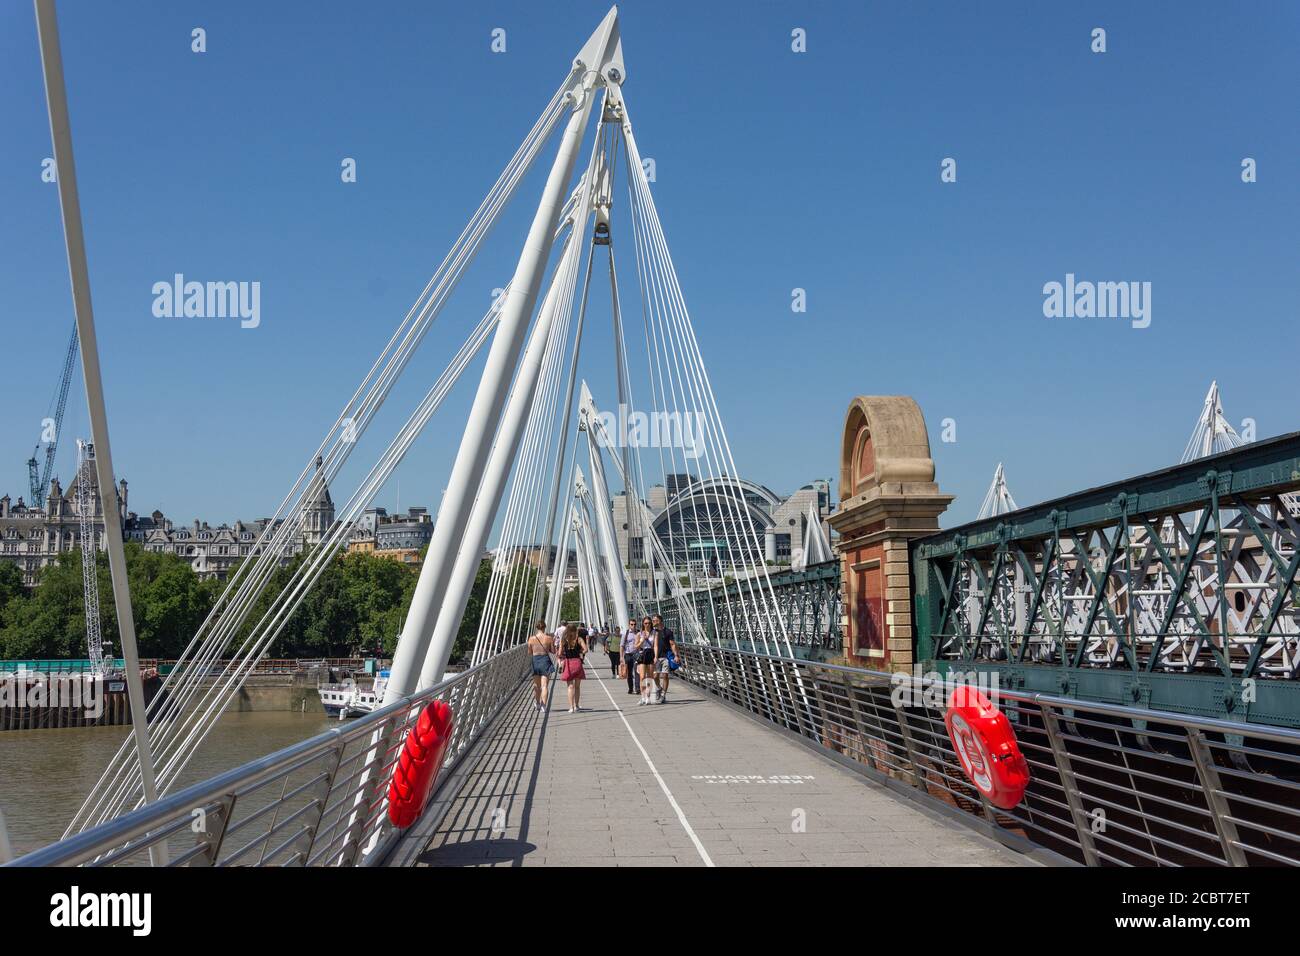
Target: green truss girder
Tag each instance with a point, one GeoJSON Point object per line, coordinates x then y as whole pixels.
{"type": "Point", "coordinates": [943, 563]}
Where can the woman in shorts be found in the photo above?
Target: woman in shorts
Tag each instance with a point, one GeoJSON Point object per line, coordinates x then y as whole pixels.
{"type": "Point", "coordinates": [541, 645]}
{"type": "Point", "coordinates": [572, 651]}
{"type": "Point", "coordinates": [645, 659]}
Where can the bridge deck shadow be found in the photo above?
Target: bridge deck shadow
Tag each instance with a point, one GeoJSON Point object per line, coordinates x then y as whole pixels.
{"type": "Point", "coordinates": [560, 789]}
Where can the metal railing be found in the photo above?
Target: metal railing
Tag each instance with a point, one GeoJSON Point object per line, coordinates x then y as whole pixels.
{"type": "Point", "coordinates": [808, 602]}
{"type": "Point", "coordinates": [321, 802]}
{"type": "Point", "coordinates": [1111, 785]}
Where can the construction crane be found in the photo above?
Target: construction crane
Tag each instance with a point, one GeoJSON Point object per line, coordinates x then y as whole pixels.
{"type": "Point", "coordinates": [50, 428]}
{"type": "Point", "coordinates": [89, 576]}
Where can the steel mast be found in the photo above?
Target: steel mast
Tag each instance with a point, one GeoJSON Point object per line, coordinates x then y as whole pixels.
{"type": "Point", "coordinates": [47, 28]}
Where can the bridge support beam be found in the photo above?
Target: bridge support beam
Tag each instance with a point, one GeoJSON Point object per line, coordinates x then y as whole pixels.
{"type": "Point", "coordinates": [888, 496]}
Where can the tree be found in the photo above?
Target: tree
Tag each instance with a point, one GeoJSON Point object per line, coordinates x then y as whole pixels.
{"type": "Point", "coordinates": [51, 622]}
{"type": "Point", "coordinates": [379, 591]}
{"type": "Point", "coordinates": [571, 605]}
{"type": "Point", "coordinates": [473, 616]}
{"type": "Point", "coordinates": [11, 583]}
{"type": "Point", "coordinates": [168, 603]}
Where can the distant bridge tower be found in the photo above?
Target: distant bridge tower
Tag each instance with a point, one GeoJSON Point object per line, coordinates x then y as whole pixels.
{"type": "Point", "coordinates": [1212, 433]}
{"type": "Point", "coordinates": [997, 500]}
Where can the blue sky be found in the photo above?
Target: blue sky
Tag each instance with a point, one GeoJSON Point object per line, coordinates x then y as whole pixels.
{"type": "Point", "coordinates": [775, 170]}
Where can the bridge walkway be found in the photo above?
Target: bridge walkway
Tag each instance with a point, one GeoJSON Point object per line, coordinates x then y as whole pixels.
{"type": "Point", "coordinates": [687, 783]}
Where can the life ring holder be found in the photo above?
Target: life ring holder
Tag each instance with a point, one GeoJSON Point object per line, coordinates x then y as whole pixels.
{"type": "Point", "coordinates": [986, 747]}
{"type": "Point", "coordinates": [418, 764]}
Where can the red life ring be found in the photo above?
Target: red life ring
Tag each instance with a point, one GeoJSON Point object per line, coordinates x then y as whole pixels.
{"type": "Point", "coordinates": [986, 746]}
{"type": "Point", "coordinates": [417, 766]}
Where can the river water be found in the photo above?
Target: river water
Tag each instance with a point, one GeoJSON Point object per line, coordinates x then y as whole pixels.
{"type": "Point", "coordinates": [45, 774]}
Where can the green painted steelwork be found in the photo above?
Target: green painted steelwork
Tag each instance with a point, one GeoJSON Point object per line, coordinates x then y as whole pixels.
{"type": "Point", "coordinates": [1114, 593]}
{"type": "Point", "coordinates": [808, 601]}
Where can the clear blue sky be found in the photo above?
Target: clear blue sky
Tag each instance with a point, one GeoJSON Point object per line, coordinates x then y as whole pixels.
{"type": "Point", "coordinates": [776, 170]}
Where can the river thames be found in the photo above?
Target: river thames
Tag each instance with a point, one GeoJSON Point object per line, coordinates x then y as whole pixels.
{"type": "Point", "coordinates": [45, 774]}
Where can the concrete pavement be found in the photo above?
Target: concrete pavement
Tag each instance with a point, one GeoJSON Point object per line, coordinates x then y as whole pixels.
{"type": "Point", "coordinates": [685, 783]}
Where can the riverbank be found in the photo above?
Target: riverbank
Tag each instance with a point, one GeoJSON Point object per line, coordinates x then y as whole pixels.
{"type": "Point", "coordinates": [57, 701]}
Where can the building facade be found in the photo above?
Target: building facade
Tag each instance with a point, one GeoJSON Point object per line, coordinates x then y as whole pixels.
{"type": "Point", "coordinates": [33, 538]}
{"type": "Point", "coordinates": [396, 537]}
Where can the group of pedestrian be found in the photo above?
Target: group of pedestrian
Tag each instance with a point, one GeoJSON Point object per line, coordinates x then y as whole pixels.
{"type": "Point", "coordinates": [569, 645]}
{"type": "Point", "coordinates": [649, 658]}
{"type": "Point", "coordinates": [646, 655]}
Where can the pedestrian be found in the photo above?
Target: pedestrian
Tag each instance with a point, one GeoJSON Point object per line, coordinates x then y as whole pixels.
{"type": "Point", "coordinates": [645, 659]}
{"type": "Point", "coordinates": [665, 658]}
{"type": "Point", "coordinates": [572, 651]}
{"type": "Point", "coordinates": [628, 648]}
{"type": "Point", "coordinates": [612, 649]}
{"type": "Point", "coordinates": [541, 645]}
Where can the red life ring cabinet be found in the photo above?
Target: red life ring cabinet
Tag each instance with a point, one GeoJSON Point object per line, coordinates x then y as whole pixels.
{"type": "Point", "coordinates": [417, 766]}
{"type": "Point", "coordinates": [986, 746]}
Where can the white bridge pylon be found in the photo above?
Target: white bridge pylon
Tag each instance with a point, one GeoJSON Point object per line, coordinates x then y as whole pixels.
{"type": "Point", "coordinates": [539, 420]}
{"type": "Point", "coordinates": [523, 431]}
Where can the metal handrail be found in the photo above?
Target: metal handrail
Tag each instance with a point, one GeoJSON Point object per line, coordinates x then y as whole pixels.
{"type": "Point", "coordinates": [1111, 785]}
{"type": "Point", "coordinates": [329, 791]}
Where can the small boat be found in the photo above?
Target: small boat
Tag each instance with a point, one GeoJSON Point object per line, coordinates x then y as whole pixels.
{"type": "Point", "coordinates": [349, 699]}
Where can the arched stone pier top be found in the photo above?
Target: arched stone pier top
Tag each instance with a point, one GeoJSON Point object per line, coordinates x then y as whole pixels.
{"type": "Point", "coordinates": [888, 496]}
{"type": "Point", "coordinates": [885, 444]}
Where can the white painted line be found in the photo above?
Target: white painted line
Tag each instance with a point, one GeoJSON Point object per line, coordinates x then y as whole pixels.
{"type": "Point", "coordinates": [686, 824]}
